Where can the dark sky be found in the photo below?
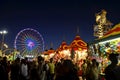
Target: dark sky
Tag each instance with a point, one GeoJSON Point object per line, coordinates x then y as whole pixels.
{"type": "Point", "coordinates": [56, 20]}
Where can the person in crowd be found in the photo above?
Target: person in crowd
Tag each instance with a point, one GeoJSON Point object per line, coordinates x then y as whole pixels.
{"type": "Point", "coordinates": [33, 71]}
{"type": "Point", "coordinates": [88, 70]}
{"type": "Point", "coordinates": [58, 69]}
{"type": "Point", "coordinates": [68, 71]}
{"type": "Point", "coordinates": [4, 69]}
{"type": "Point", "coordinates": [15, 70]}
{"type": "Point", "coordinates": [41, 71]}
{"type": "Point", "coordinates": [112, 71]}
{"type": "Point", "coordinates": [3, 73]}
{"type": "Point", "coordinates": [51, 69]}
{"type": "Point", "coordinates": [84, 68]}
{"type": "Point", "coordinates": [92, 71]}
{"type": "Point", "coordinates": [24, 69]}
{"type": "Point", "coordinates": [46, 70]}
{"type": "Point", "coordinates": [95, 70]}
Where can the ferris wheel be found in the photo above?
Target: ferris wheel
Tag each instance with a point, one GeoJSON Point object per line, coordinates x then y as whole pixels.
{"type": "Point", "coordinates": [29, 42]}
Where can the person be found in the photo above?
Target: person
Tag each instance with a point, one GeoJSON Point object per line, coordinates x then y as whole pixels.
{"type": "Point", "coordinates": [51, 69]}
{"type": "Point", "coordinates": [46, 70]}
{"type": "Point", "coordinates": [95, 70]}
{"type": "Point", "coordinates": [5, 68]}
{"type": "Point", "coordinates": [66, 71]}
{"type": "Point", "coordinates": [15, 69]}
{"type": "Point", "coordinates": [34, 72]}
{"type": "Point", "coordinates": [41, 64]}
{"type": "Point", "coordinates": [112, 71]}
{"type": "Point", "coordinates": [92, 70]}
{"type": "Point", "coordinates": [3, 71]}
{"type": "Point", "coordinates": [84, 68]}
{"type": "Point", "coordinates": [24, 69]}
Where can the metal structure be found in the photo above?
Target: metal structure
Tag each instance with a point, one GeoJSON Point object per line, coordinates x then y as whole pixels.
{"type": "Point", "coordinates": [103, 25]}
{"type": "Point", "coordinates": [3, 45]}
{"type": "Point", "coordinates": [29, 42]}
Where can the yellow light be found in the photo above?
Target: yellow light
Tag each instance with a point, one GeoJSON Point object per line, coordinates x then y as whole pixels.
{"type": "Point", "coordinates": [6, 46]}
{"type": "Point", "coordinates": [108, 40]}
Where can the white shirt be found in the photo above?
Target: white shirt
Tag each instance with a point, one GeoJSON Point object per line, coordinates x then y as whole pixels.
{"type": "Point", "coordinates": [24, 70]}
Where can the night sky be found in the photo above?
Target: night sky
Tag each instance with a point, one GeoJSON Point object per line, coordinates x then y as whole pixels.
{"type": "Point", "coordinates": [56, 20]}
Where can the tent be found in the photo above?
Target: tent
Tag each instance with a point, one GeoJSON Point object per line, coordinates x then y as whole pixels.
{"type": "Point", "coordinates": [79, 47]}
{"type": "Point", "coordinates": [78, 44]}
{"type": "Point", "coordinates": [63, 50]}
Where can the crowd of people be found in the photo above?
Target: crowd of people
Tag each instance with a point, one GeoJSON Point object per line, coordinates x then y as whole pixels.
{"type": "Point", "coordinates": [91, 70]}
{"type": "Point", "coordinates": [23, 69]}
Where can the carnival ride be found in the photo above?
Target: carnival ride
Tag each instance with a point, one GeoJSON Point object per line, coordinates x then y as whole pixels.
{"type": "Point", "coordinates": [102, 24]}
{"type": "Point", "coordinates": [29, 42]}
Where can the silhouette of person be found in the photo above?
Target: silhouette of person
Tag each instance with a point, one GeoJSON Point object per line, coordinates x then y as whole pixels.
{"type": "Point", "coordinates": [112, 71]}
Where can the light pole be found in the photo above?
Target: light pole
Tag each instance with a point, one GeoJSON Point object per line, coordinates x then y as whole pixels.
{"type": "Point", "coordinates": [3, 32]}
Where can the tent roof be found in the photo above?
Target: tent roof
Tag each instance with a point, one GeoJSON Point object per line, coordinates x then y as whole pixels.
{"type": "Point", "coordinates": [63, 46]}
{"type": "Point", "coordinates": [47, 52]}
{"type": "Point", "coordinates": [114, 31]}
{"type": "Point", "coordinates": [78, 43]}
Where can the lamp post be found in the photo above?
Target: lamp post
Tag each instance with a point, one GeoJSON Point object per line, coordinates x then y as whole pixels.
{"type": "Point", "coordinates": [3, 32]}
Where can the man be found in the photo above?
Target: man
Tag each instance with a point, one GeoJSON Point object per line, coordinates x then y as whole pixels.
{"type": "Point", "coordinates": [84, 68]}
{"type": "Point", "coordinates": [51, 69]}
{"type": "Point", "coordinates": [112, 71]}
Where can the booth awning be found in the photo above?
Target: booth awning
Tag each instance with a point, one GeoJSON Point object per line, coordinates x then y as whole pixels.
{"type": "Point", "coordinates": [114, 31]}
{"type": "Point", "coordinates": [47, 52]}
{"type": "Point", "coordinates": [63, 46]}
{"type": "Point", "coordinates": [78, 44]}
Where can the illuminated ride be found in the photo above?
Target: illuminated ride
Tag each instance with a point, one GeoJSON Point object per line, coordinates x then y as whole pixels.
{"type": "Point", "coordinates": [103, 25]}
{"type": "Point", "coordinates": [29, 42]}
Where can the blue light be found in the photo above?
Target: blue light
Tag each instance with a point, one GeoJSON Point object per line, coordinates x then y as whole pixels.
{"type": "Point", "coordinates": [31, 44]}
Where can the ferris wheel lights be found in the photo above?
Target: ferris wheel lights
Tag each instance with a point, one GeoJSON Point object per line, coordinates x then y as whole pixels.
{"type": "Point", "coordinates": [29, 41]}
{"type": "Point", "coordinates": [30, 44]}
{"type": "Point", "coordinates": [30, 56]}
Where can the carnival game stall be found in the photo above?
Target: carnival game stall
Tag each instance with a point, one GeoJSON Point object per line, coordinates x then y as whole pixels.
{"type": "Point", "coordinates": [109, 43]}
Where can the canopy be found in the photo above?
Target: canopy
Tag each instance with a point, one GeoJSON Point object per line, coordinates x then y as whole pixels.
{"type": "Point", "coordinates": [78, 44]}
{"type": "Point", "coordinates": [114, 31]}
{"type": "Point", "coordinates": [47, 52]}
{"type": "Point", "coordinates": [63, 46]}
